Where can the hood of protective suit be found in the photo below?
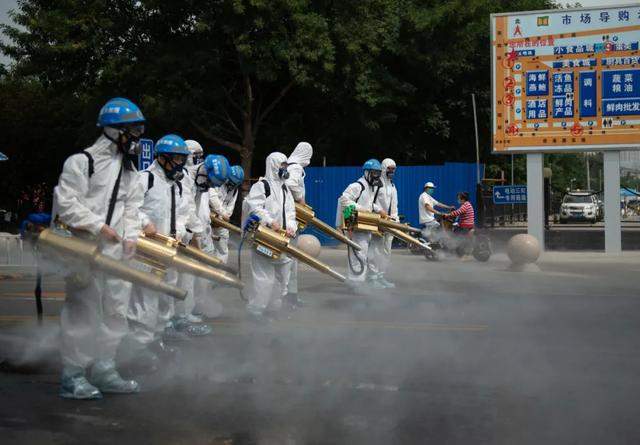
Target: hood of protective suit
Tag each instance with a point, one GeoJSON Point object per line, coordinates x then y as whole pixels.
{"type": "Point", "coordinates": [194, 148]}
{"type": "Point", "coordinates": [274, 160]}
{"type": "Point", "coordinates": [386, 164]}
{"type": "Point", "coordinates": [301, 154]}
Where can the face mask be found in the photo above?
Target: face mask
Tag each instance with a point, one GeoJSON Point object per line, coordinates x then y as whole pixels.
{"type": "Point", "coordinates": [197, 158]}
{"type": "Point", "coordinates": [202, 180]}
{"type": "Point", "coordinates": [429, 191]}
{"type": "Point", "coordinates": [373, 178]}
{"type": "Point", "coordinates": [173, 170]}
{"type": "Point", "coordinates": [391, 174]}
{"type": "Point", "coordinates": [126, 138]}
{"type": "Point", "coordinates": [283, 173]}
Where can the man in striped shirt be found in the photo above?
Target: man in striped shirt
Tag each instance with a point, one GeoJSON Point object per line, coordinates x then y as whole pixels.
{"type": "Point", "coordinates": [464, 213]}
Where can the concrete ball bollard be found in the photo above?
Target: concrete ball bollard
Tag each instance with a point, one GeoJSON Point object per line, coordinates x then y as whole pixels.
{"type": "Point", "coordinates": [309, 244]}
{"type": "Point", "coordinates": [523, 249]}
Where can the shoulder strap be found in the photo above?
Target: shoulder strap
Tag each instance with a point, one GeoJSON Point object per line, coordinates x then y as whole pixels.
{"type": "Point", "coordinates": [375, 197]}
{"type": "Point", "coordinates": [267, 187]}
{"type": "Point", "coordinates": [90, 160]}
{"type": "Point", "coordinates": [114, 196]}
{"type": "Point", "coordinates": [179, 183]}
{"type": "Point", "coordinates": [150, 179]}
{"type": "Point", "coordinates": [361, 190]}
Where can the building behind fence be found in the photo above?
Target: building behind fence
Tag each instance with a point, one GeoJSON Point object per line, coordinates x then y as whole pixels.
{"type": "Point", "coordinates": [325, 184]}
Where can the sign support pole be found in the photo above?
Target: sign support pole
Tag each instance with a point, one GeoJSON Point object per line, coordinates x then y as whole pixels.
{"type": "Point", "coordinates": [612, 226]}
{"type": "Point", "coordinates": [535, 197]}
{"type": "Point", "coordinates": [475, 124]}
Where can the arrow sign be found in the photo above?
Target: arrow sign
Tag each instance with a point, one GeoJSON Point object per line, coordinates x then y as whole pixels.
{"type": "Point", "coordinates": [510, 194]}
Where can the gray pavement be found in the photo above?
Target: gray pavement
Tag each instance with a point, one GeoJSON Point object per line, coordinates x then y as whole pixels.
{"type": "Point", "coordinates": [458, 353]}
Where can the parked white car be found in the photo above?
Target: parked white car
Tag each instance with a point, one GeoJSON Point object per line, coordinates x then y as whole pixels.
{"type": "Point", "coordinates": [579, 206]}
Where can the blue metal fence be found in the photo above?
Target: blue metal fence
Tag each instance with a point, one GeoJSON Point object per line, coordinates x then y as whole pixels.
{"type": "Point", "coordinates": [325, 184]}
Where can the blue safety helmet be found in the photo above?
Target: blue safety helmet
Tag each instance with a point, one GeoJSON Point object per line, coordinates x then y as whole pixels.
{"type": "Point", "coordinates": [171, 144]}
{"type": "Point", "coordinates": [217, 167]}
{"type": "Point", "coordinates": [119, 111]}
{"type": "Point", "coordinates": [372, 164]}
{"type": "Point", "coordinates": [236, 175]}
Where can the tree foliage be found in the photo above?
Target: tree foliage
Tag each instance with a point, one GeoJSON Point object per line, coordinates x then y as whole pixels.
{"type": "Point", "coordinates": [385, 78]}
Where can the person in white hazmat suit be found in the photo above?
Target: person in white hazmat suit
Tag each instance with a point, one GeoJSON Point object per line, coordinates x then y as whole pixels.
{"type": "Point", "coordinates": [298, 160]}
{"type": "Point", "coordinates": [272, 203]}
{"type": "Point", "coordinates": [204, 179]}
{"type": "Point", "coordinates": [222, 202]}
{"type": "Point", "coordinates": [380, 247]}
{"type": "Point", "coordinates": [166, 207]}
{"type": "Point", "coordinates": [186, 281]}
{"type": "Point", "coordinates": [361, 195]}
{"type": "Point", "coordinates": [97, 194]}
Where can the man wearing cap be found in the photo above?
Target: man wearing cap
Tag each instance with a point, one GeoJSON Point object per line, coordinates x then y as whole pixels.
{"type": "Point", "coordinates": [427, 210]}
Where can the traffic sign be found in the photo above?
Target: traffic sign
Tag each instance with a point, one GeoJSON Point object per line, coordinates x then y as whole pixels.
{"type": "Point", "coordinates": [145, 158]}
{"type": "Point", "coordinates": [510, 194]}
{"type": "Point", "coordinates": [576, 79]}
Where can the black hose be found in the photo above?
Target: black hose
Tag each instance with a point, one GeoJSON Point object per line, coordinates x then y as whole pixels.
{"type": "Point", "coordinates": [351, 250]}
{"type": "Point", "coordinates": [242, 238]}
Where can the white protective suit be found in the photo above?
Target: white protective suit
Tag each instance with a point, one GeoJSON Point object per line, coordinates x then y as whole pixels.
{"type": "Point", "coordinates": [198, 221]}
{"type": "Point", "coordinates": [269, 276]}
{"type": "Point", "coordinates": [387, 199]}
{"type": "Point", "coordinates": [299, 159]}
{"type": "Point", "coordinates": [94, 316]}
{"type": "Point", "coordinates": [222, 201]}
{"type": "Point", "coordinates": [363, 196]}
{"type": "Point", "coordinates": [150, 311]}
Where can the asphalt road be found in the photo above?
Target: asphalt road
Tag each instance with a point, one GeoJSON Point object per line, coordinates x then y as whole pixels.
{"type": "Point", "coordinates": [458, 353]}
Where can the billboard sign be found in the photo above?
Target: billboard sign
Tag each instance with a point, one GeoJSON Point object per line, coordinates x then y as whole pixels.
{"type": "Point", "coordinates": [566, 80]}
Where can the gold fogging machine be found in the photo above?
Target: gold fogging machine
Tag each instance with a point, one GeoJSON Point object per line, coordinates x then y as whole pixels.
{"type": "Point", "coordinates": [372, 222]}
{"type": "Point", "coordinates": [273, 244]}
{"type": "Point", "coordinates": [218, 221]}
{"type": "Point", "coordinates": [87, 251]}
{"type": "Point", "coordinates": [162, 252]}
{"type": "Point", "coordinates": [305, 216]}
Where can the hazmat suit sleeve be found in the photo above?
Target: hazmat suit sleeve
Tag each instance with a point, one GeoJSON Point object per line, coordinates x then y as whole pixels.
{"type": "Point", "coordinates": [296, 182]}
{"type": "Point", "coordinates": [72, 187]}
{"type": "Point", "coordinates": [290, 214]}
{"type": "Point", "coordinates": [256, 203]}
{"type": "Point", "coordinates": [394, 204]}
{"type": "Point", "coordinates": [350, 195]}
{"type": "Point", "coordinates": [141, 184]}
{"type": "Point", "coordinates": [215, 201]}
{"type": "Point", "coordinates": [132, 205]}
{"type": "Point", "coordinates": [186, 213]}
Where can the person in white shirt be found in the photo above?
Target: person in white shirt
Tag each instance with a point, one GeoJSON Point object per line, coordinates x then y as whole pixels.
{"type": "Point", "coordinates": [427, 210]}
